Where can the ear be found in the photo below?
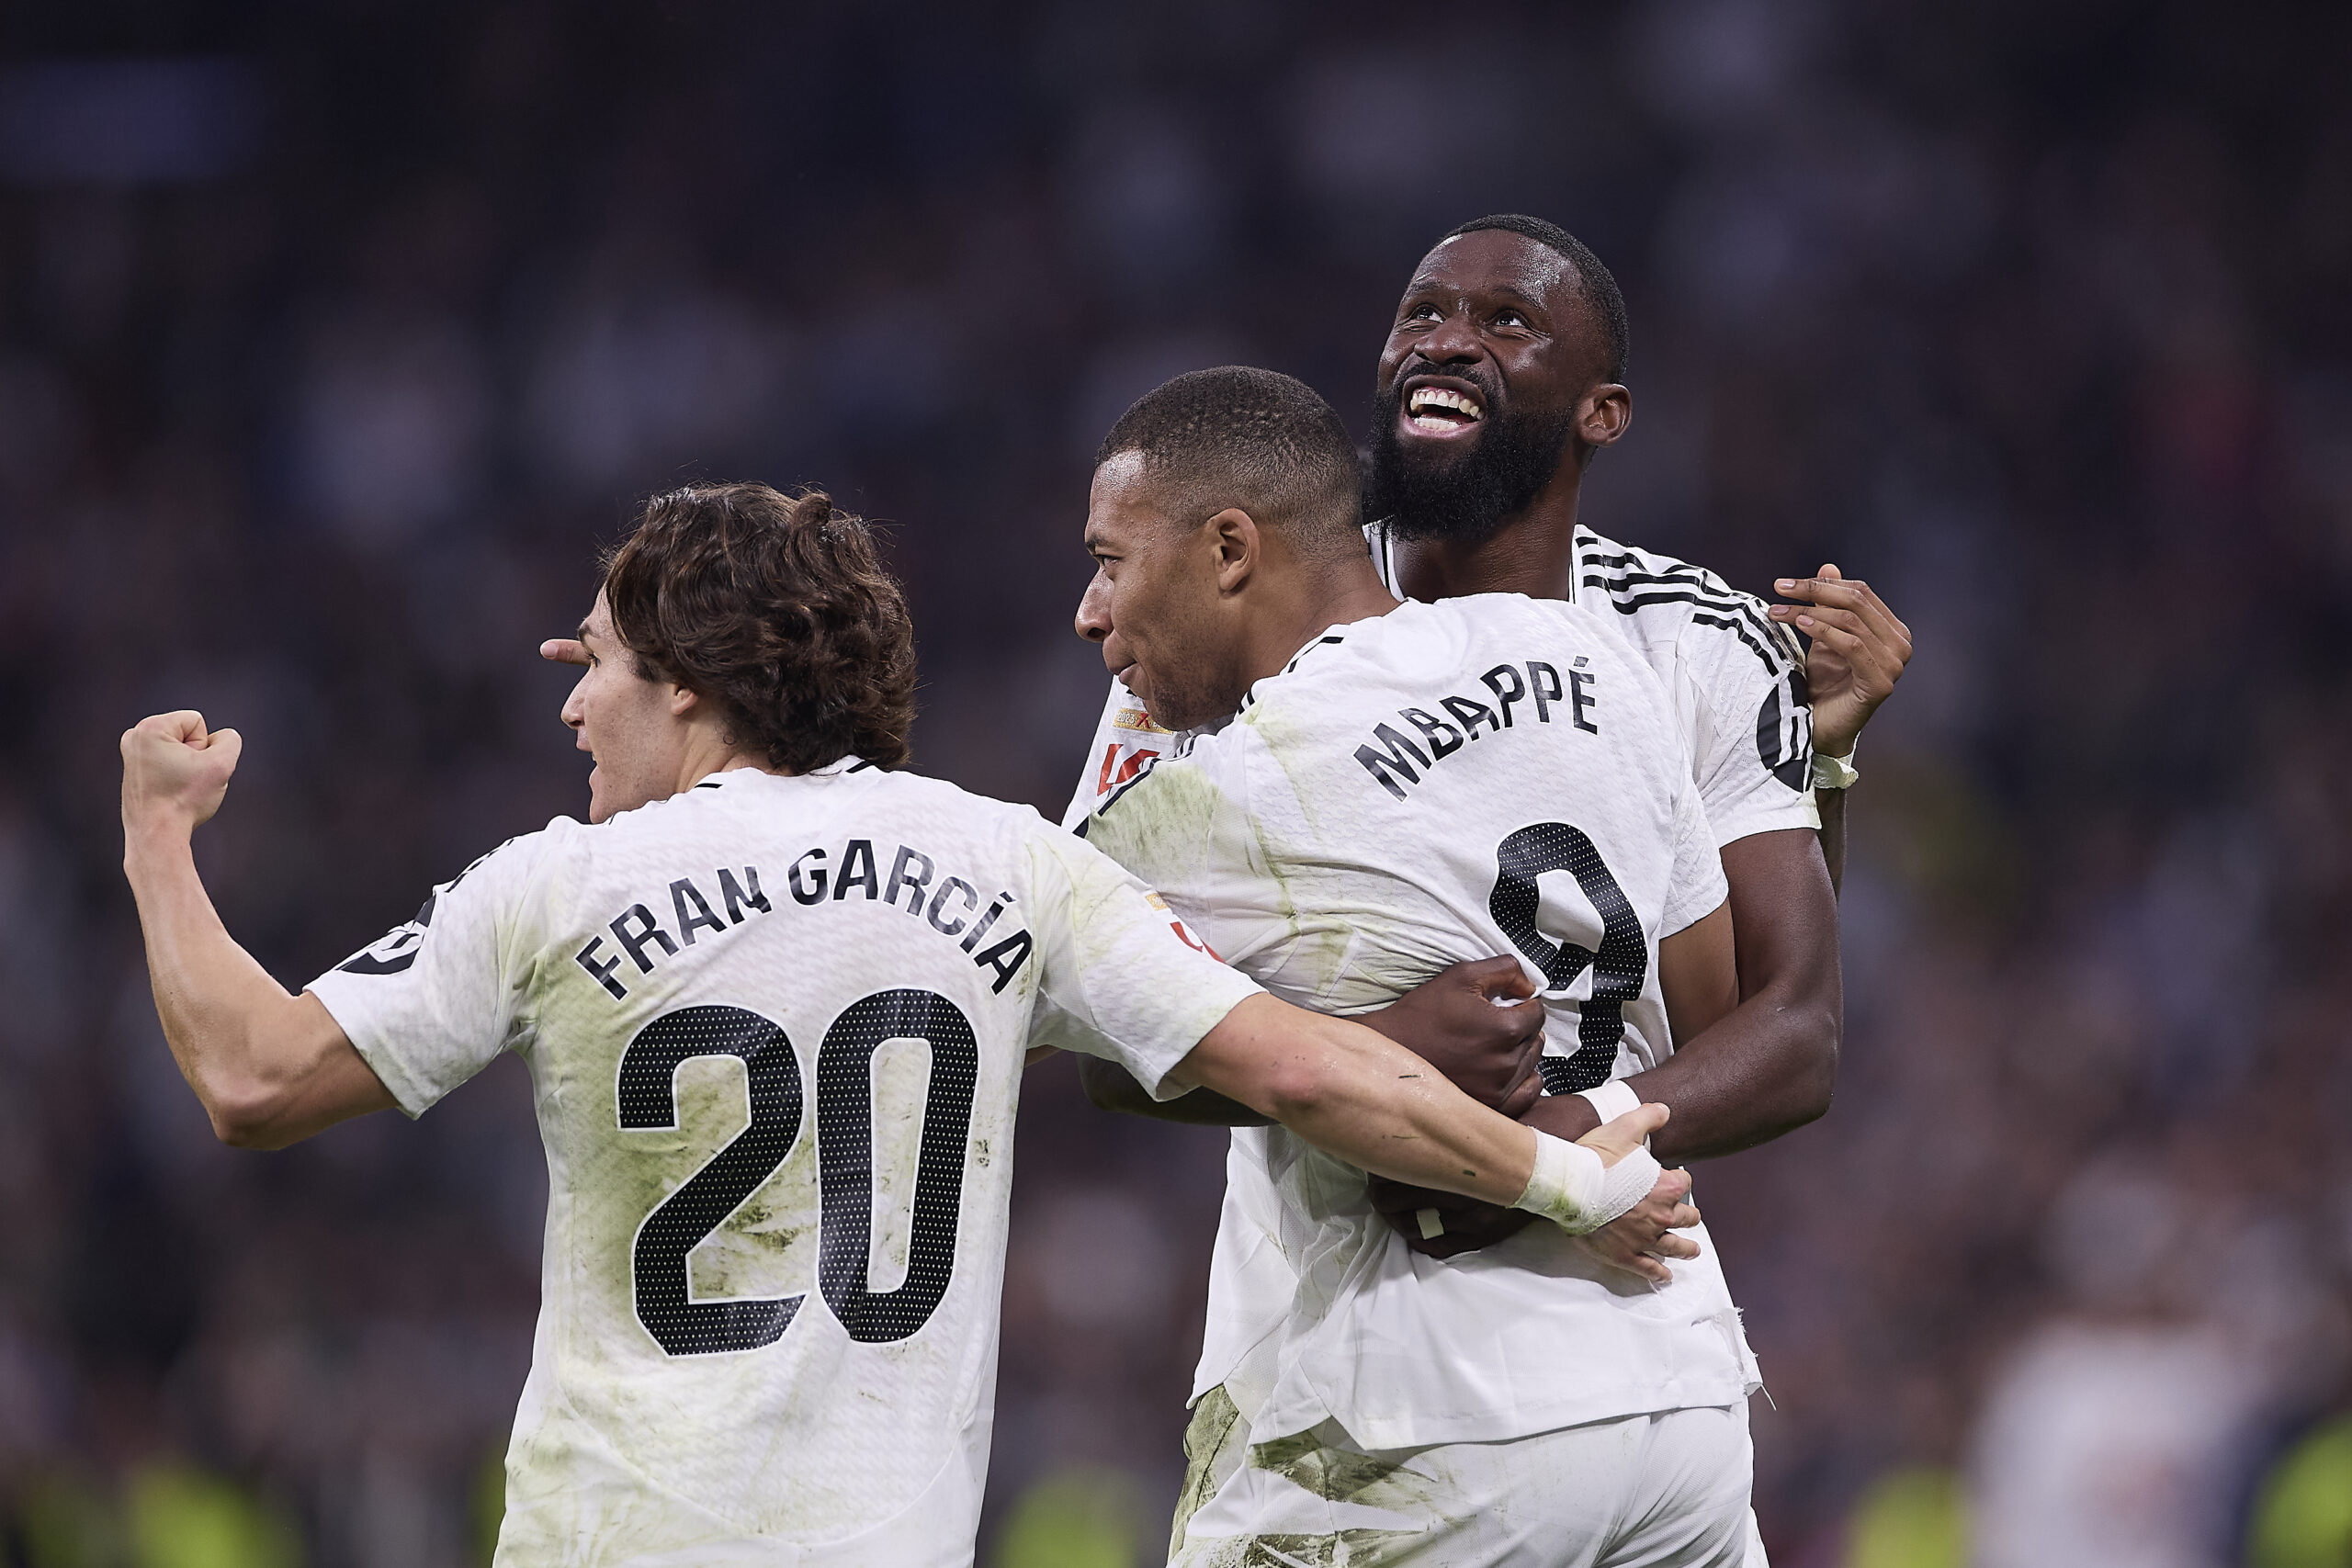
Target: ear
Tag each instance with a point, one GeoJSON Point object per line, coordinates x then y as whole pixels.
{"type": "Point", "coordinates": [1233, 534]}
{"type": "Point", "coordinates": [1603, 414]}
{"type": "Point", "coordinates": [684, 700]}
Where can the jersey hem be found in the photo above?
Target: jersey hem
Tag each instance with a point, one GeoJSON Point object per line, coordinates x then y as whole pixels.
{"type": "Point", "coordinates": [1779, 821]}
{"type": "Point", "coordinates": [1422, 1432]}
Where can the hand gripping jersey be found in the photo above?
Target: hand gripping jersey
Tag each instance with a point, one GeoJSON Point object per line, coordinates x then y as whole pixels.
{"type": "Point", "coordinates": [1735, 678]}
{"type": "Point", "coordinates": [776, 1029]}
{"type": "Point", "coordinates": [1486, 774]}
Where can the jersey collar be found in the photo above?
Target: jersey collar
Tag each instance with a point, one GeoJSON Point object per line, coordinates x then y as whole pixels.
{"type": "Point", "coordinates": [1382, 539]}
{"type": "Point", "coordinates": [849, 763]}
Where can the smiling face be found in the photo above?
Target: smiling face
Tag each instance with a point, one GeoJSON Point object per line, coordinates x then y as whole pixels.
{"type": "Point", "coordinates": [1494, 370]}
{"type": "Point", "coordinates": [1157, 604]}
{"type": "Point", "coordinates": [635, 728]}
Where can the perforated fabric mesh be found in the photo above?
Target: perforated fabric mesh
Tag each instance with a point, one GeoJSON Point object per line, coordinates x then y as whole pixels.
{"type": "Point", "coordinates": [1449, 780]}
{"type": "Point", "coordinates": [713, 1365]}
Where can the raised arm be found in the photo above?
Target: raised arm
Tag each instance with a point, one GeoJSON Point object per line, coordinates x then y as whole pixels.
{"type": "Point", "coordinates": [1859, 652]}
{"type": "Point", "coordinates": [270, 1067]}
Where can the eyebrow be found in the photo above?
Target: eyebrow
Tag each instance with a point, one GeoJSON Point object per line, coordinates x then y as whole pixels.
{"type": "Point", "coordinates": [1424, 286]}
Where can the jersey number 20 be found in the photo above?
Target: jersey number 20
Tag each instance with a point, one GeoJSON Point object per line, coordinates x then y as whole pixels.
{"type": "Point", "coordinates": [684, 1326]}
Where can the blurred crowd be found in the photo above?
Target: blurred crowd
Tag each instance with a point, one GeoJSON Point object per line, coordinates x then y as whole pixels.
{"type": "Point", "coordinates": [338, 338]}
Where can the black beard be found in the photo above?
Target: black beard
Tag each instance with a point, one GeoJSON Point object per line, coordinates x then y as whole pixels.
{"type": "Point", "coordinates": [1468, 496]}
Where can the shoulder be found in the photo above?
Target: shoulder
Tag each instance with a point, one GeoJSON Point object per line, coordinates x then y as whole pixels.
{"type": "Point", "coordinates": [1203, 765]}
{"type": "Point", "coordinates": [1406, 637]}
{"type": "Point", "coordinates": [526, 857]}
{"type": "Point", "coordinates": [972, 817]}
{"type": "Point", "coordinates": [1663, 601]}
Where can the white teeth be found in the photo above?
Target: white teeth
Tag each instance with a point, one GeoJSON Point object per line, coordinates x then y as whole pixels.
{"type": "Point", "coordinates": [1445, 398]}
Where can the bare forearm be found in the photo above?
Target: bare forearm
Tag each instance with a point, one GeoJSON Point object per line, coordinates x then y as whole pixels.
{"type": "Point", "coordinates": [1111, 1087]}
{"type": "Point", "coordinates": [269, 1068]}
{"type": "Point", "coordinates": [211, 995]}
{"type": "Point", "coordinates": [1759, 1074]}
{"type": "Point", "coordinates": [1364, 1099]}
{"type": "Point", "coordinates": [1771, 1065]}
{"type": "Point", "coordinates": [1832, 804]}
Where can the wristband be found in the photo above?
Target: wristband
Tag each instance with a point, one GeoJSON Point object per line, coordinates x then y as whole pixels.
{"type": "Point", "coordinates": [1611, 1099]}
{"type": "Point", "coordinates": [1572, 1188]}
{"type": "Point", "coordinates": [1834, 772]}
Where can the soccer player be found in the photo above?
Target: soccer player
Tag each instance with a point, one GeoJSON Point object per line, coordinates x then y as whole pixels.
{"type": "Point", "coordinates": [1368, 791]}
{"type": "Point", "coordinates": [774, 997]}
{"type": "Point", "coordinates": [1502, 375]}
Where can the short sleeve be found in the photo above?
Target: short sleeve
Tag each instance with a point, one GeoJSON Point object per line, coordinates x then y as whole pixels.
{"type": "Point", "coordinates": [1125, 740]}
{"type": "Point", "coordinates": [1752, 748]}
{"type": "Point", "coordinates": [1697, 884]}
{"type": "Point", "coordinates": [1121, 978]}
{"type": "Point", "coordinates": [438, 999]}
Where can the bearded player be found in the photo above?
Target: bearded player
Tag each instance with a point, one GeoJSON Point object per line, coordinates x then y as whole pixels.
{"type": "Point", "coordinates": [1501, 378]}
{"type": "Point", "coordinates": [774, 997]}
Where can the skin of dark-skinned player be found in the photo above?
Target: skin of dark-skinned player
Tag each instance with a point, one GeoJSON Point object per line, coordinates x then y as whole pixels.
{"type": "Point", "coordinates": [1499, 317]}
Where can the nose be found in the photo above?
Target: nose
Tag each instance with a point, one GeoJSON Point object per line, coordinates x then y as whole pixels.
{"type": "Point", "coordinates": [1094, 620]}
{"type": "Point", "coordinates": [573, 712]}
{"type": "Point", "coordinates": [1451, 341]}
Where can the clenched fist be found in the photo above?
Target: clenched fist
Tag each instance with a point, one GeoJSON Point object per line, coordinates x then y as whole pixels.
{"type": "Point", "coordinates": [175, 772]}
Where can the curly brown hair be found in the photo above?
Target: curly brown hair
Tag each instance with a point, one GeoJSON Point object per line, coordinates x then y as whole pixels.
{"type": "Point", "coordinates": [776, 608]}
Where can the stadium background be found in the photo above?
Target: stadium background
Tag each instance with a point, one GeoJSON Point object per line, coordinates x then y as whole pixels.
{"type": "Point", "coordinates": [337, 337]}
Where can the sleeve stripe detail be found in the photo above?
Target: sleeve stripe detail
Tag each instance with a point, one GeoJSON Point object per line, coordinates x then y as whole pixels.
{"type": "Point", "coordinates": [1743, 623]}
{"type": "Point", "coordinates": [1626, 574]}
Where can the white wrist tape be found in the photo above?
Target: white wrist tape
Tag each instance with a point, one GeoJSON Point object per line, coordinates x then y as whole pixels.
{"type": "Point", "coordinates": [1573, 1189]}
{"type": "Point", "coordinates": [1612, 1099]}
{"type": "Point", "coordinates": [1834, 772]}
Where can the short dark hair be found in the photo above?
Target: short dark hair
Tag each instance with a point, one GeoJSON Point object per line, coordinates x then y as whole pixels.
{"type": "Point", "coordinates": [1257, 439]}
{"type": "Point", "coordinates": [1596, 285]}
{"type": "Point", "coordinates": [777, 609]}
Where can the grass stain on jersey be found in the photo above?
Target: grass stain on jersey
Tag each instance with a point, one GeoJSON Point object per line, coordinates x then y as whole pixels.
{"type": "Point", "coordinates": [1173, 825]}
{"type": "Point", "coordinates": [1282, 737]}
{"type": "Point", "coordinates": [767, 1248]}
{"type": "Point", "coordinates": [1348, 1549]}
{"type": "Point", "coordinates": [1314, 1461]}
{"type": "Point", "coordinates": [1162, 825]}
{"type": "Point", "coordinates": [900, 1085]}
{"type": "Point", "coordinates": [1326, 950]}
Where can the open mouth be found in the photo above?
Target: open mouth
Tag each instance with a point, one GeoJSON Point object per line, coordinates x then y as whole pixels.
{"type": "Point", "coordinates": [1442, 410]}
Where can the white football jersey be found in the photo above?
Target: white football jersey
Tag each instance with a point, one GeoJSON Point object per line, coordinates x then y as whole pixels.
{"type": "Point", "coordinates": [775, 1028]}
{"type": "Point", "coordinates": [1734, 676]}
{"type": "Point", "coordinates": [1481, 775]}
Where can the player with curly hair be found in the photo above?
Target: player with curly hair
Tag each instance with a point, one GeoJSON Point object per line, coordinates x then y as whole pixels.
{"type": "Point", "coordinates": [775, 995]}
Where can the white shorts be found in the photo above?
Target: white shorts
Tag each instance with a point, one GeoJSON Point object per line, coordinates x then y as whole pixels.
{"type": "Point", "coordinates": [1668, 1490]}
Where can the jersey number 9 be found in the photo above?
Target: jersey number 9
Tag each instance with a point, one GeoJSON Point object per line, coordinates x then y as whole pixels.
{"type": "Point", "coordinates": [1618, 969]}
